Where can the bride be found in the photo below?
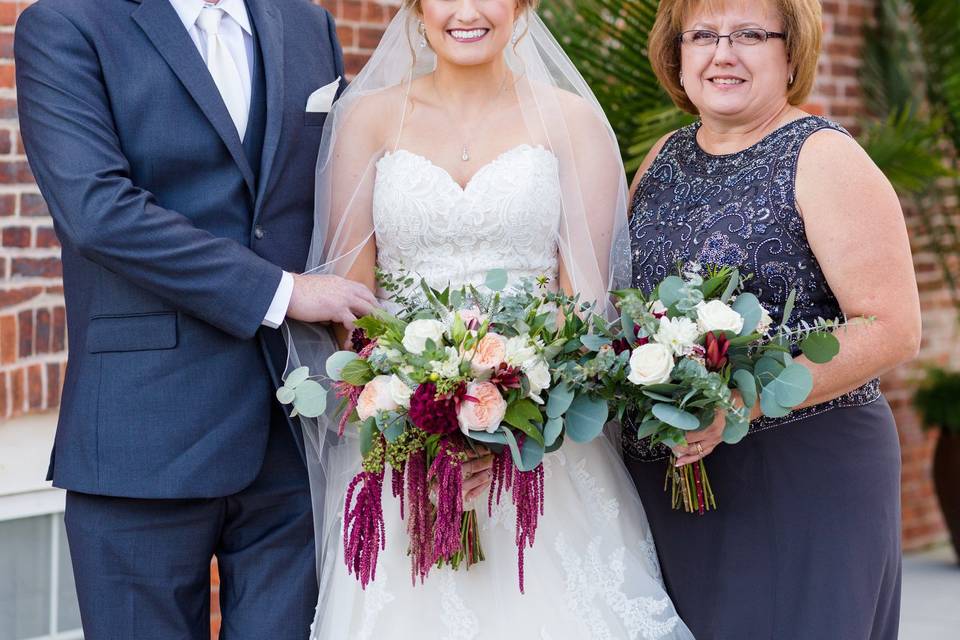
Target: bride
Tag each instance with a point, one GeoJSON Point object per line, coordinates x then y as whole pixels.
{"type": "Point", "coordinates": [469, 142]}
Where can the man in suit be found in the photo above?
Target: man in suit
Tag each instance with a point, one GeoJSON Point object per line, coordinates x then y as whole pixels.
{"type": "Point", "coordinates": [171, 142]}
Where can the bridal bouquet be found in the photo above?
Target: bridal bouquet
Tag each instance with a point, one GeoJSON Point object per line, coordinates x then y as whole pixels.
{"type": "Point", "coordinates": [682, 352]}
{"type": "Point", "coordinates": [452, 372]}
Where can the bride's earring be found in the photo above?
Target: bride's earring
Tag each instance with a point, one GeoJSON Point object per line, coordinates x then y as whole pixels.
{"type": "Point", "coordinates": [515, 38]}
{"type": "Point", "coordinates": [422, 30]}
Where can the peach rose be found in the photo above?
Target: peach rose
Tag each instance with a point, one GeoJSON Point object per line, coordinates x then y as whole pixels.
{"type": "Point", "coordinates": [489, 353]}
{"type": "Point", "coordinates": [377, 396]}
{"type": "Point", "coordinates": [485, 411]}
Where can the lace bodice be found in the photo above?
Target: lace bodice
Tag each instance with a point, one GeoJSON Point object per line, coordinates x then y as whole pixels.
{"type": "Point", "coordinates": [507, 217]}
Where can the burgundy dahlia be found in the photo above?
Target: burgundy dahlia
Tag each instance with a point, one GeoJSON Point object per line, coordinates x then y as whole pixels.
{"type": "Point", "coordinates": [506, 377]}
{"type": "Point", "coordinates": [716, 351]}
{"type": "Point", "coordinates": [359, 340]}
{"type": "Point", "coordinates": [433, 413]}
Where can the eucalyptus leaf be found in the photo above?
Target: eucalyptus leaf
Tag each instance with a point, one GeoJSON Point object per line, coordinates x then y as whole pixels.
{"type": "Point", "coordinates": [747, 385]}
{"type": "Point", "coordinates": [337, 361]}
{"type": "Point", "coordinates": [561, 396]}
{"type": "Point", "coordinates": [286, 395]}
{"type": "Point", "coordinates": [670, 290]}
{"type": "Point", "coordinates": [311, 399]}
{"type": "Point", "coordinates": [788, 306]}
{"type": "Point", "coordinates": [594, 342]}
{"type": "Point", "coordinates": [657, 396]}
{"type": "Point", "coordinates": [770, 407]}
{"type": "Point", "coordinates": [792, 386]}
{"type": "Point", "coordinates": [497, 437]}
{"type": "Point", "coordinates": [731, 286]}
{"type": "Point", "coordinates": [675, 417]}
{"type": "Point", "coordinates": [295, 377]}
{"type": "Point", "coordinates": [767, 369]}
{"type": "Point", "coordinates": [627, 324]}
{"type": "Point", "coordinates": [394, 430]}
{"type": "Point", "coordinates": [496, 280]}
{"type": "Point", "coordinates": [586, 417]}
{"type": "Point", "coordinates": [749, 307]}
{"type": "Point", "coordinates": [735, 429]}
{"type": "Point", "coordinates": [820, 347]}
{"type": "Point", "coordinates": [552, 431]}
{"type": "Point", "coordinates": [527, 457]}
{"type": "Point", "coordinates": [648, 428]}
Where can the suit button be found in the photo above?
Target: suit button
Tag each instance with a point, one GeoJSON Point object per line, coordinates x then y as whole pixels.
{"type": "Point", "coordinates": [258, 232]}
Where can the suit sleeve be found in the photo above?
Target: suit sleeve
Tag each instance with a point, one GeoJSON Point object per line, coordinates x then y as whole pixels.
{"type": "Point", "coordinates": [76, 156]}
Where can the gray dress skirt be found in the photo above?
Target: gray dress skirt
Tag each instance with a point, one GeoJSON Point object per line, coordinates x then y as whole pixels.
{"type": "Point", "coordinates": [805, 542]}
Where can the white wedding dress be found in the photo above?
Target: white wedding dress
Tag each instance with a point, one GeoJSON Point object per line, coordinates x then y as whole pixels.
{"type": "Point", "coordinates": [593, 571]}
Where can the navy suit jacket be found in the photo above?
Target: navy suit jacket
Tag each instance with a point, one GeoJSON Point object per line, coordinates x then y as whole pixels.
{"type": "Point", "coordinates": [173, 245]}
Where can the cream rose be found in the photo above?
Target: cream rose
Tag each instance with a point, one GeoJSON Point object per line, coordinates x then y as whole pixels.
{"type": "Point", "coordinates": [400, 392]}
{"type": "Point", "coordinates": [716, 315]}
{"type": "Point", "coordinates": [677, 334]}
{"type": "Point", "coordinates": [419, 331]}
{"type": "Point", "coordinates": [519, 350]}
{"type": "Point", "coordinates": [488, 354]}
{"type": "Point", "coordinates": [650, 363]}
{"type": "Point", "coordinates": [483, 410]}
{"type": "Point", "coordinates": [376, 397]}
{"type": "Point", "coordinates": [538, 375]}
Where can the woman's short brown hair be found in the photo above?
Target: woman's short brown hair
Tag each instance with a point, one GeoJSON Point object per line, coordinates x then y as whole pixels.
{"type": "Point", "coordinates": [802, 22]}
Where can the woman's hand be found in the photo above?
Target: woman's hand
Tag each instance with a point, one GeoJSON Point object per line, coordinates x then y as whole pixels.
{"type": "Point", "coordinates": [700, 444]}
{"type": "Point", "coordinates": [477, 474]}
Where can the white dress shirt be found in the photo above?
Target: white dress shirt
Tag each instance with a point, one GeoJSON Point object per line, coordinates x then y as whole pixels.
{"type": "Point", "coordinates": [237, 34]}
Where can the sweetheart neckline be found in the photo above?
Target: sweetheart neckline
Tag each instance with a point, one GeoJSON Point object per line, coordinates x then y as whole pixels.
{"type": "Point", "coordinates": [464, 188]}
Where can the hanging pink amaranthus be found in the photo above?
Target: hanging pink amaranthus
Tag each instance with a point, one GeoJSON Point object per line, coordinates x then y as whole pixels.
{"type": "Point", "coordinates": [526, 489]}
{"type": "Point", "coordinates": [447, 472]}
{"type": "Point", "coordinates": [420, 518]}
{"type": "Point", "coordinates": [352, 394]}
{"type": "Point", "coordinates": [396, 486]}
{"type": "Point", "coordinates": [364, 534]}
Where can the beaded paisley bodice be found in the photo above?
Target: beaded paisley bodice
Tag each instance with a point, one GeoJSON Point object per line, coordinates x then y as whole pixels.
{"type": "Point", "coordinates": [738, 210]}
{"type": "Point", "coordinates": [506, 217]}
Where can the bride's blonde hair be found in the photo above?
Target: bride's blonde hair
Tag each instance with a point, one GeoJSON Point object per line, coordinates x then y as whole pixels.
{"type": "Point", "coordinates": [522, 5]}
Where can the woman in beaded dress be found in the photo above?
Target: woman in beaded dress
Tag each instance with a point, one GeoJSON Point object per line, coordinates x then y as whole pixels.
{"type": "Point", "coordinates": [805, 541]}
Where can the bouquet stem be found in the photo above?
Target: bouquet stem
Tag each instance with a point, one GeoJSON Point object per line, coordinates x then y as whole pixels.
{"type": "Point", "coordinates": [689, 487]}
{"type": "Point", "coordinates": [470, 552]}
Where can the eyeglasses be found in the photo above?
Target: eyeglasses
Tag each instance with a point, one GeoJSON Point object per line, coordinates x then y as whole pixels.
{"type": "Point", "coordinates": [745, 37]}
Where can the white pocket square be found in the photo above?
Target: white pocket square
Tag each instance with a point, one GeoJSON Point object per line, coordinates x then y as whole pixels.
{"type": "Point", "coordinates": [321, 100]}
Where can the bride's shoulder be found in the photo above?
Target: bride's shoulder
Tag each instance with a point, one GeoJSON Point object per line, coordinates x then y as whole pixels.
{"type": "Point", "coordinates": [369, 114]}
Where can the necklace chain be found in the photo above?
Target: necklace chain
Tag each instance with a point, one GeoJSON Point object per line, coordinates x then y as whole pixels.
{"type": "Point", "coordinates": [465, 145]}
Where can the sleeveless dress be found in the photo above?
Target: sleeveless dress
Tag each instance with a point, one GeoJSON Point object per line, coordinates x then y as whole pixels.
{"type": "Point", "coordinates": [593, 571]}
{"type": "Point", "coordinates": [805, 543]}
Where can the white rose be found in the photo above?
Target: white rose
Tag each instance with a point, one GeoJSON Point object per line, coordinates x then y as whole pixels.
{"type": "Point", "coordinates": [538, 375]}
{"type": "Point", "coordinates": [419, 331]}
{"type": "Point", "coordinates": [400, 392]}
{"type": "Point", "coordinates": [677, 334]}
{"type": "Point", "coordinates": [518, 350]}
{"type": "Point", "coordinates": [375, 398]}
{"type": "Point", "coordinates": [651, 363]}
{"type": "Point", "coordinates": [716, 315]}
{"type": "Point", "coordinates": [765, 321]}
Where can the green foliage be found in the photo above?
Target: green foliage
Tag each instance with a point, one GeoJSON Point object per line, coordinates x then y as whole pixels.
{"type": "Point", "coordinates": [607, 41]}
{"type": "Point", "coordinates": [937, 400]}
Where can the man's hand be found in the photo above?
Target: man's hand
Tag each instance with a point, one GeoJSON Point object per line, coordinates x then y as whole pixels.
{"type": "Point", "coordinates": [325, 298]}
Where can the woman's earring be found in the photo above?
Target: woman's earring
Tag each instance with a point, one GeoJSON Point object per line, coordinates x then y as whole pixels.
{"type": "Point", "coordinates": [790, 81]}
{"type": "Point", "coordinates": [422, 30]}
{"type": "Point", "coordinates": [681, 78]}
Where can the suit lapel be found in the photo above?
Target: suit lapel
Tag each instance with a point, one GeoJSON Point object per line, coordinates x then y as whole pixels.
{"type": "Point", "coordinates": [269, 25]}
{"type": "Point", "coordinates": [163, 27]}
